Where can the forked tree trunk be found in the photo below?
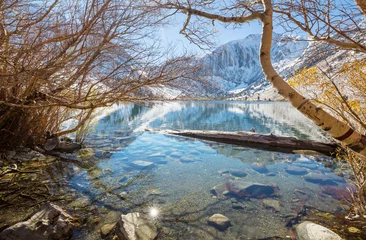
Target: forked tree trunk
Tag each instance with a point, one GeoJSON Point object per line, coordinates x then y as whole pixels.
{"type": "Point", "coordinates": [337, 129]}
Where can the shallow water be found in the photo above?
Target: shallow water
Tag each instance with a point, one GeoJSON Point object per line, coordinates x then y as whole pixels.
{"type": "Point", "coordinates": [184, 170]}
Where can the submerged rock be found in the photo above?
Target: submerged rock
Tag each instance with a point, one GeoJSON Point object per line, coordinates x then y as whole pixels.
{"type": "Point", "coordinates": [86, 153]}
{"type": "Point", "coordinates": [136, 226]}
{"type": "Point", "coordinates": [51, 222]}
{"type": "Point", "coordinates": [251, 190]}
{"type": "Point", "coordinates": [219, 190]}
{"type": "Point", "coordinates": [219, 221]}
{"type": "Point", "coordinates": [107, 229]}
{"type": "Point", "coordinates": [311, 231]}
{"type": "Point", "coordinates": [320, 179]}
{"type": "Point", "coordinates": [295, 170]}
{"type": "Point", "coordinates": [259, 168]}
{"type": "Point", "coordinates": [271, 203]}
{"type": "Point", "coordinates": [234, 172]}
{"type": "Point", "coordinates": [186, 160]}
{"type": "Point", "coordinates": [142, 164]}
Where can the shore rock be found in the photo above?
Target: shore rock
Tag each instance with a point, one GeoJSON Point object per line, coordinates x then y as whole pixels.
{"type": "Point", "coordinates": [51, 143]}
{"type": "Point", "coordinates": [136, 226]}
{"type": "Point", "coordinates": [51, 222]}
{"type": "Point", "coordinates": [219, 221]}
{"type": "Point", "coordinates": [311, 231]}
{"type": "Point", "coordinates": [65, 147]}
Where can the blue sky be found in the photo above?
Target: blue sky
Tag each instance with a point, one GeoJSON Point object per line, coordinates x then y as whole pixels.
{"type": "Point", "coordinates": [170, 34]}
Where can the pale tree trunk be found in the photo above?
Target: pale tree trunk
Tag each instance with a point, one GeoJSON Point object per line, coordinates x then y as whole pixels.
{"type": "Point", "coordinates": [362, 5]}
{"type": "Point", "coordinates": [337, 129]}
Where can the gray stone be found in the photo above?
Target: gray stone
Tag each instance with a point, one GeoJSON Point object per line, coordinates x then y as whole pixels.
{"type": "Point", "coordinates": [107, 229]}
{"type": "Point", "coordinates": [142, 164]}
{"type": "Point", "coordinates": [9, 154]}
{"type": "Point", "coordinates": [51, 222]}
{"type": "Point", "coordinates": [51, 143]}
{"type": "Point", "coordinates": [311, 231]}
{"type": "Point", "coordinates": [295, 170]}
{"type": "Point", "coordinates": [136, 226]}
{"type": "Point", "coordinates": [271, 203]}
{"type": "Point", "coordinates": [219, 221]}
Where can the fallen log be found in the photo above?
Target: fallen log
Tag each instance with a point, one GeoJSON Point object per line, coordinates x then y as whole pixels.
{"type": "Point", "coordinates": [254, 140]}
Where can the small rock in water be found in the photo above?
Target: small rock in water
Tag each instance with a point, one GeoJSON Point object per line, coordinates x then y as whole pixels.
{"type": "Point", "coordinates": [86, 153]}
{"type": "Point", "coordinates": [311, 231]}
{"type": "Point", "coordinates": [219, 221]}
{"type": "Point", "coordinates": [354, 230]}
{"type": "Point", "coordinates": [271, 203]}
{"type": "Point", "coordinates": [142, 164]}
{"type": "Point", "coordinates": [107, 229]}
{"type": "Point", "coordinates": [259, 167]}
{"type": "Point", "coordinates": [153, 192]}
{"type": "Point", "coordinates": [271, 174]}
{"type": "Point", "coordinates": [136, 226]}
{"type": "Point", "coordinates": [186, 160]}
{"type": "Point", "coordinates": [234, 172]}
{"type": "Point", "coordinates": [218, 190]}
{"type": "Point", "coordinates": [294, 170]}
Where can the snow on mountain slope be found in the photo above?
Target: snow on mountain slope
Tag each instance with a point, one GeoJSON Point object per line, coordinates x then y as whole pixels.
{"type": "Point", "coordinates": [235, 65]}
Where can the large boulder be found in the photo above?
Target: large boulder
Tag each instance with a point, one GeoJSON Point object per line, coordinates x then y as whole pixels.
{"type": "Point", "coordinates": [136, 226]}
{"type": "Point", "coordinates": [252, 190]}
{"type": "Point", "coordinates": [311, 231]}
{"type": "Point", "coordinates": [51, 222]}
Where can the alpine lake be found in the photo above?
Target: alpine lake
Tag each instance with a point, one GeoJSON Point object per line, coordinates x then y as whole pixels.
{"type": "Point", "coordinates": [124, 168]}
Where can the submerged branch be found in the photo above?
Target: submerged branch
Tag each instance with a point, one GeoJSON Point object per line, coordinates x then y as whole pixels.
{"type": "Point", "coordinates": [255, 140]}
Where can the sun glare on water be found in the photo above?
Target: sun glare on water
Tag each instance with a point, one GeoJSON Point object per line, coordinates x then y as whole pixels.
{"type": "Point", "coordinates": [154, 212]}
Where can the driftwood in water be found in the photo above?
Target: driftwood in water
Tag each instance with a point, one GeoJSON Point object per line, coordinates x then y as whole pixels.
{"type": "Point", "coordinates": [255, 140]}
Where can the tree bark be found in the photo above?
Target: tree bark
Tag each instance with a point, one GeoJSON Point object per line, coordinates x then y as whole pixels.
{"type": "Point", "coordinates": [255, 140]}
{"type": "Point", "coordinates": [337, 129]}
{"type": "Point", "coordinates": [362, 5]}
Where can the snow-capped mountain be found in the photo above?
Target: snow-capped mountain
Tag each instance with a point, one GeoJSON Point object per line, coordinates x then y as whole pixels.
{"type": "Point", "coordinates": [234, 66]}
